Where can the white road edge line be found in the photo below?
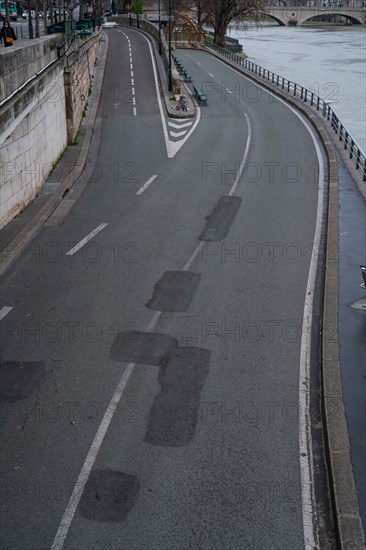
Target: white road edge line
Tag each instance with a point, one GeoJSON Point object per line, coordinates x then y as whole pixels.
{"type": "Point", "coordinates": [311, 535]}
{"type": "Point", "coordinates": [171, 146]}
{"type": "Point", "coordinates": [86, 239]}
{"type": "Point", "coordinates": [4, 311]}
{"type": "Point", "coordinates": [146, 185]}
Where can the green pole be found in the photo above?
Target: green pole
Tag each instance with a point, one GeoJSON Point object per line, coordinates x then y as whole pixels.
{"type": "Point", "coordinates": [159, 27]}
{"type": "Point", "coordinates": [170, 47]}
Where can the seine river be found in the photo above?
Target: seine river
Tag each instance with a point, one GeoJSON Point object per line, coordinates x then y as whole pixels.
{"type": "Point", "coordinates": [329, 60]}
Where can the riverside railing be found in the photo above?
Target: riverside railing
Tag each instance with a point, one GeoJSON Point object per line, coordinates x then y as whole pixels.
{"type": "Point", "coordinates": [305, 95]}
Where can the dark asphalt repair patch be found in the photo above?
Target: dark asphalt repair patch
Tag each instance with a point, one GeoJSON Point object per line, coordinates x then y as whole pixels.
{"type": "Point", "coordinates": [19, 379]}
{"type": "Point", "coordinates": [174, 291]}
{"type": "Point", "coordinates": [221, 219]}
{"type": "Point", "coordinates": [150, 348]}
{"type": "Point", "coordinates": [173, 415]}
{"type": "Point", "coordinates": [109, 495]}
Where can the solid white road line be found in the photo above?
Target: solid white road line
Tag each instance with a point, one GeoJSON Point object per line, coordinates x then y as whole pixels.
{"type": "Point", "coordinates": [194, 255]}
{"type": "Point", "coordinates": [172, 147]}
{"type": "Point", "coordinates": [4, 311]}
{"type": "Point", "coordinates": [89, 461]}
{"type": "Point", "coordinates": [244, 159]}
{"type": "Point", "coordinates": [146, 185]}
{"type": "Point", "coordinates": [211, 75]}
{"type": "Point", "coordinates": [94, 449]}
{"type": "Point", "coordinates": [86, 239]}
{"type": "Point", "coordinates": [232, 190]}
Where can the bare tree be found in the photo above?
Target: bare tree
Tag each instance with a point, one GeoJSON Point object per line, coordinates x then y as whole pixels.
{"type": "Point", "coordinates": [220, 13]}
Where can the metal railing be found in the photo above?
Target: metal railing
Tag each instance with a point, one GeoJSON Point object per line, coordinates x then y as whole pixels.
{"type": "Point", "coordinates": [305, 95]}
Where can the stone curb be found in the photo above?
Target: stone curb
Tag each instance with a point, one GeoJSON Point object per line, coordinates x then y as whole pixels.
{"type": "Point", "coordinates": [13, 249]}
{"type": "Point", "coordinates": [347, 517]}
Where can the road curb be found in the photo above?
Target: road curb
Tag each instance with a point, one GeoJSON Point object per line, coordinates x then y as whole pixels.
{"type": "Point", "coordinates": [14, 248]}
{"type": "Point", "coordinates": [347, 517]}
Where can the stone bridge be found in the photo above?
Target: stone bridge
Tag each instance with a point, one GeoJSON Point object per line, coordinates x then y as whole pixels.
{"type": "Point", "coordinates": [297, 15]}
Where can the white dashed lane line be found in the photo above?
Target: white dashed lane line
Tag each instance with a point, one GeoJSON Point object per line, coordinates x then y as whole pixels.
{"type": "Point", "coordinates": [86, 239]}
{"type": "Point", "coordinates": [4, 311]}
{"type": "Point", "coordinates": [133, 92]}
{"type": "Point", "coordinates": [146, 185]}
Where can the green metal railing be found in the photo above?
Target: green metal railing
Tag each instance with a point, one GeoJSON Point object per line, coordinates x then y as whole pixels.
{"type": "Point", "coordinates": [66, 27]}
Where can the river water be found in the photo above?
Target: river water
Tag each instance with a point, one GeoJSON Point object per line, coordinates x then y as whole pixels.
{"type": "Point", "coordinates": [327, 59]}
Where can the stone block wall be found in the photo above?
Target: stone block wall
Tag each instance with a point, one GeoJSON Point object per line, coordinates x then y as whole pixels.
{"type": "Point", "coordinates": [38, 122]}
{"type": "Point", "coordinates": [28, 154]}
{"type": "Point", "coordinates": [78, 78]}
{"type": "Point", "coordinates": [18, 64]}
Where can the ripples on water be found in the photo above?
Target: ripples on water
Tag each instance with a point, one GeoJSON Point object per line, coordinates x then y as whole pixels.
{"type": "Point", "coordinates": [329, 60]}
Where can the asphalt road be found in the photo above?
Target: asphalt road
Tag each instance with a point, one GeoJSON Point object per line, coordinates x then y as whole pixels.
{"type": "Point", "coordinates": [187, 304]}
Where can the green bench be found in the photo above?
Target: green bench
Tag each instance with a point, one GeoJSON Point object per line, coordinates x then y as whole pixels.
{"type": "Point", "coordinates": [198, 94]}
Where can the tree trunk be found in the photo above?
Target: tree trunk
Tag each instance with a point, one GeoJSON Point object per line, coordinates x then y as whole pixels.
{"type": "Point", "coordinates": [220, 30]}
{"type": "Point", "coordinates": [36, 9]}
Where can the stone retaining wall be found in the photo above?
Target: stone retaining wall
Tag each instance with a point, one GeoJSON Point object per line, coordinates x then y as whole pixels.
{"type": "Point", "coordinates": [42, 118]}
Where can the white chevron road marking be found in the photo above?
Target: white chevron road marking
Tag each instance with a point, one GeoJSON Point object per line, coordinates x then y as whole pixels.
{"type": "Point", "coordinates": [177, 134]}
{"type": "Point", "coordinates": [180, 125]}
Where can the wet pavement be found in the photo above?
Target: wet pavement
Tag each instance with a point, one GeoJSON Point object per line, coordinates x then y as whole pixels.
{"type": "Point", "coordinates": [352, 323]}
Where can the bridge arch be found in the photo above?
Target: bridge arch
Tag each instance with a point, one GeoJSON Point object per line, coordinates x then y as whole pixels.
{"type": "Point", "coordinates": [277, 19]}
{"type": "Point", "coordinates": [297, 15]}
{"type": "Point", "coordinates": [324, 14]}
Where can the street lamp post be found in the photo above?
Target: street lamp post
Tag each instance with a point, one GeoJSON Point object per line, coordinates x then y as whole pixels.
{"type": "Point", "coordinates": [170, 47]}
{"type": "Point", "coordinates": [137, 15]}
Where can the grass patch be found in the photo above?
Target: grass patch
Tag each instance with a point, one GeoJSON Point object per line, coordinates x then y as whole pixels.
{"type": "Point", "coordinates": [56, 163]}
